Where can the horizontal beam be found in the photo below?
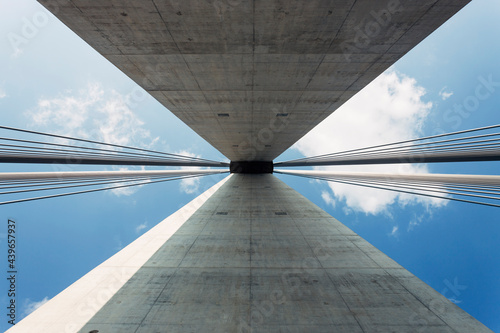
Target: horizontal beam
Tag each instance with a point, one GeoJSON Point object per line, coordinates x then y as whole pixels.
{"type": "Point", "coordinates": [103, 161]}
{"type": "Point", "coordinates": [493, 155]}
{"type": "Point", "coordinates": [439, 178]}
{"type": "Point", "coordinates": [14, 176]}
{"type": "Point", "coordinates": [251, 167]}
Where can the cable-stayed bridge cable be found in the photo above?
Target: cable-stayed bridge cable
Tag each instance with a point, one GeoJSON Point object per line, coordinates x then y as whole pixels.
{"type": "Point", "coordinates": [442, 186]}
{"type": "Point", "coordinates": [55, 181]}
{"type": "Point", "coordinates": [481, 147]}
{"type": "Point", "coordinates": [27, 150]}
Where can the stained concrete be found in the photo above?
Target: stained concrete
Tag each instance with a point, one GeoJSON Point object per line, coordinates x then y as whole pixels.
{"type": "Point", "coordinates": [252, 77]}
{"type": "Point", "coordinates": [259, 257]}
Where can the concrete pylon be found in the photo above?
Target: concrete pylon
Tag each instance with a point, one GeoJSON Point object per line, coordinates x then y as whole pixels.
{"type": "Point", "coordinates": [249, 255]}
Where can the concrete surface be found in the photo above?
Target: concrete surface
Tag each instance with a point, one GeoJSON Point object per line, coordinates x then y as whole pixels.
{"type": "Point", "coordinates": [259, 257]}
{"type": "Point", "coordinates": [71, 309]}
{"type": "Point", "coordinates": [252, 77]}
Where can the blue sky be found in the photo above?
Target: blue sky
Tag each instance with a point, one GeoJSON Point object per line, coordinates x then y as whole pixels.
{"type": "Point", "coordinates": [51, 70]}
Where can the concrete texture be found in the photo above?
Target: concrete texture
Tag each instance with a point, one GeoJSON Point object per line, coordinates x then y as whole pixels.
{"type": "Point", "coordinates": [259, 257]}
{"type": "Point", "coordinates": [71, 309]}
{"type": "Point", "coordinates": [252, 77]}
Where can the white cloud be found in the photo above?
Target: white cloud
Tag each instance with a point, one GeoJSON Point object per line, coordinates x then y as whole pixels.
{"type": "Point", "coordinates": [91, 113]}
{"type": "Point", "coordinates": [30, 306]}
{"type": "Point", "coordinates": [328, 198]}
{"type": "Point", "coordinates": [127, 191]}
{"type": "Point", "coordinates": [124, 191]}
{"type": "Point", "coordinates": [189, 185]}
{"type": "Point", "coordinates": [347, 210]}
{"type": "Point", "coordinates": [445, 94]}
{"type": "Point", "coordinates": [394, 232]}
{"type": "Point", "coordinates": [390, 109]}
{"type": "Point", "coordinates": [95, 114]}
{"type": "Point", "coordinates": [141, 227]}
{"type": "Point", "coordinates": [2, 93]}
{"type": "Point", "coordinates": [415, 221]}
